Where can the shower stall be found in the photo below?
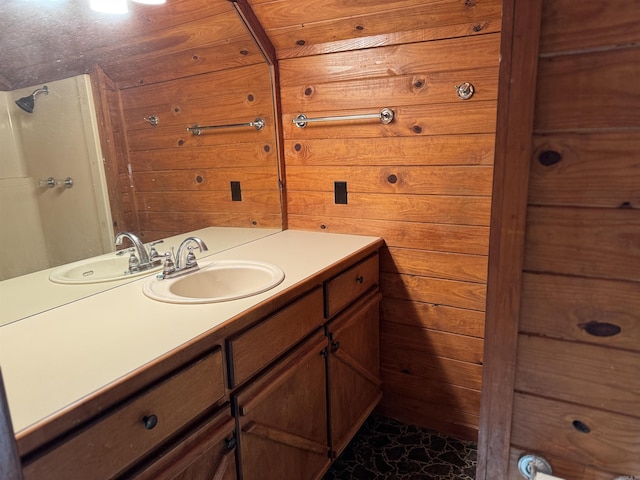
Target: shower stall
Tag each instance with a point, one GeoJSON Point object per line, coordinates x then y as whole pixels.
{"type": "Point", "coordinates": [54, 206]}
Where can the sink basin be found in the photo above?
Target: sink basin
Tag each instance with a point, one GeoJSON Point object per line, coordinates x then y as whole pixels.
{"type": "Point", "coordinates": [96, 271]}
{"type": "Point", "coordinates": [217, 281]}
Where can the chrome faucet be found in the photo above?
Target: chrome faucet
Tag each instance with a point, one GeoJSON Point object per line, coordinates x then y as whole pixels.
{"type": "Point", "coordinates": [185, 260]}
{"type": "Point", "coordinates": [142, 261]}
{"type": "Point", "coordinates": [188, 260]}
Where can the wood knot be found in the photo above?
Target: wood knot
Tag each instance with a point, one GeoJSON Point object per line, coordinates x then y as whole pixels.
{"type": "Point", "coordinates": [549, 157]}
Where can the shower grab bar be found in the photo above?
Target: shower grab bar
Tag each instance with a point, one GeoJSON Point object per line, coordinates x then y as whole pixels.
{"type": "Point", "coordinates": [52, 182]}
{"type": "Point", "coordinates": [258, 124]}
{"type": "Point", "coordinates": [385, 116]}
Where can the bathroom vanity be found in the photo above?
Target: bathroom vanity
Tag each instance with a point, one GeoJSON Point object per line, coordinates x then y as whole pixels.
{"type": "Point", "coordinates": [118, 385]}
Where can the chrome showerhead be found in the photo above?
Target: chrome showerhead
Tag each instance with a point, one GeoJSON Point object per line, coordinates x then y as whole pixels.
{"type": "Point", "coordinates": [27, 103]}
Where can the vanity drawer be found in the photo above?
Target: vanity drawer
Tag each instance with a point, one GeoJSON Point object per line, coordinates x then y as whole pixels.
{"type": "Point", "coordinates": [252, 350]}
{"type": "Point", "coordinates": [350, 284]}
{"type": "Point", "coordinates": [123, 436]}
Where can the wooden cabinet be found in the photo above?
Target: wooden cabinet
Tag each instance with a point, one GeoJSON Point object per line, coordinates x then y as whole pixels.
{"type": "Point", "coordinates": [300, 414]}
{"type": "Point", "coordinates": [114, 442]}
{"type": "Point", "coordinates": [301, 380]}
{"type": "Point", "coordinates": [207, 453]}
{"type": "Point", "coordinates": [283, 418]}
{"type": "Point", "coordinates": [354, 385]}
{"type": "Point", "coordinates": [255, 348]}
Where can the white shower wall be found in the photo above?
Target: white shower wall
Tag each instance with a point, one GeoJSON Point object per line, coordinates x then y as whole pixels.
{"type": "Point", "coordinates": [59, 140]}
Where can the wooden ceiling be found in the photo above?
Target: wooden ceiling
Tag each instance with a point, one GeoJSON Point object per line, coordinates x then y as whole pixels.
{"type": "Point", "coordinates": [42, 41]}
{"type": "Point", "coordinates": [299, 28]}
{"type": "Point", "coordinates": [45, 40]}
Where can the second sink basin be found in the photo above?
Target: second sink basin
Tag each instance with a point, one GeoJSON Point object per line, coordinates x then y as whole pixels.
{"type": "Point", "coordinates": [96, 270]}
{"type": "Point", "coordinates": [217, 281]}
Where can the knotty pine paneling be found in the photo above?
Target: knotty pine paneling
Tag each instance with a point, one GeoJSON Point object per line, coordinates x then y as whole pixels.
{"type": "Point", "coordinates": [589, 242]}
{"type": "Point", "coordinates": [588, 91]}
{"type": "Point", "coordinates": [412, 208]}
{"type": "Point", "coordinates": [578, 357]}
{"type": "Point", "coordinates": [545, 425]}
{"type": "Point", "coordinates": [598, 169]}
{"type": "Point", "coordinates": [437, 291]}
{"type": "Point", "coordinates": [423, 182]}
{"type": "Point", "coordinates": [561, 467]}
{"type": "Point", "coordinates": [435, 394]}
{"type": "Point", "coordinates": [563, 307]}
{"type": "Point", "coordinates": [569, 26]}
{"type": "Point", "coordinates": [435, 317]}
{"type": "Point", "coordinates": [469, 149]}
{"type": "Point", "coordinates": [437, 237]}
{"type": "Point", "coordinates": [566, 370]}
{"type": "Point", "coordinates": [440, 417]}
{"type": "Point", "coordinates": [441, 369]}
{"type": "Point", "coordinates": [446, 265]}
{"type": "Point", "coordinates": [182, 181]}
{"type": "Point", "coordinates": [302, 30]}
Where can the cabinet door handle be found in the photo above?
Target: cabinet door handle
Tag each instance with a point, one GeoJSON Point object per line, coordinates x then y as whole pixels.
{"type": "Point", "coordinates": [335, 346]}
{"type": "Point", "coordinates": [150, 421]}
{"type": "Point", "coordinates": [360, 279]}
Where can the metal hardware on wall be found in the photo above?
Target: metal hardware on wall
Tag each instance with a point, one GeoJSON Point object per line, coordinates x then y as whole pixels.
{"type": "Point", "coordinates": [385, 116]}
{"type": "Point", "coordinates": [258, 124]}
{"type": "Point", "coordinates": [52, 183]}
{"type": "Point", "coordinates": [465, 90]}
{"type": "Point", "coordinates": [153, 120]}
{"type": "Point", "coordinates": [529, 465]}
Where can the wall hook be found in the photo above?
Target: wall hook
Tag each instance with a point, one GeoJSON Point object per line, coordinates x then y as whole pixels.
{"type": "Point", "coordinates": [465, 90]}
{"type": "Point", "coordinates": [153, 120]}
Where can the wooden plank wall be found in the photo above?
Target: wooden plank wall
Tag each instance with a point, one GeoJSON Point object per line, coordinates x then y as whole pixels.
{"type": "Point", "coordinates": [182, 181]}
{"type": "Point", "coordinates": [577, 390]}
{"type": "Point", "coordinates": [189, 66]}
{"type": "Point", "coordinates": [423, 182]}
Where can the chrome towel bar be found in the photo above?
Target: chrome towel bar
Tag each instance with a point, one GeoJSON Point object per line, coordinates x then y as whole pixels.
{"type": "Point", "coordinates": [258, 124]}
{"type": "Point", "coordinates": [385, 116]}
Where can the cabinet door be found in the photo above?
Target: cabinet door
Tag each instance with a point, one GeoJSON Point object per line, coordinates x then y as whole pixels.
{"type": "Point", "coordinates": [354, 369]}
{"type": "Point", "coordinates": [207, 453]}
{"type": "Point", "coordinates": [283, 418]}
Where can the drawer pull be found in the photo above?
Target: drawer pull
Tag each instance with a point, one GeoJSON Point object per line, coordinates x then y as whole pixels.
{"type": "Point", "coordinates": [150, 422]}
{"type": "Point", "coordinates": [360, 279]}
{"type": "Point", "coordinates": [581, 426]}
{"type": "Point", "coordinates": [601, 329]}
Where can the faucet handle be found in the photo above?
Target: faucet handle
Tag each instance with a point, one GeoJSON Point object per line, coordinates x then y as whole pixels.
{"type": "Point", "coordinates": [153, 253]}
{"type": "Point", "coordinates": [134, 262]}
{"type": "Point", "coordinates": [168, 266]}
{"type": "Point", "coordinates": [191, 258]}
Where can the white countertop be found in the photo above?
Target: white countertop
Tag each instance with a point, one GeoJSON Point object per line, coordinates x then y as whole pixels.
{"type": "Point", "coordinates": [54, 359]}
{"type": "Point", "coordinates": [19, 301]}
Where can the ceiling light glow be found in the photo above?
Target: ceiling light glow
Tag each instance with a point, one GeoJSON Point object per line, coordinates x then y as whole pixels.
{"type": "Point", "coordinates": [109, 6]}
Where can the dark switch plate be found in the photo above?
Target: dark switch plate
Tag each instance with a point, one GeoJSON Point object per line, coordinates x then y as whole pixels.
{"type": "Point", "coordinates": [236, 193]}
{"type": "Point", "coordinates": [340, 189]}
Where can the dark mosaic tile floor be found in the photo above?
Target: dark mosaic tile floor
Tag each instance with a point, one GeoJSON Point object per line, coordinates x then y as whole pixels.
{"type": "Point", "coordinates": [385, 449]}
